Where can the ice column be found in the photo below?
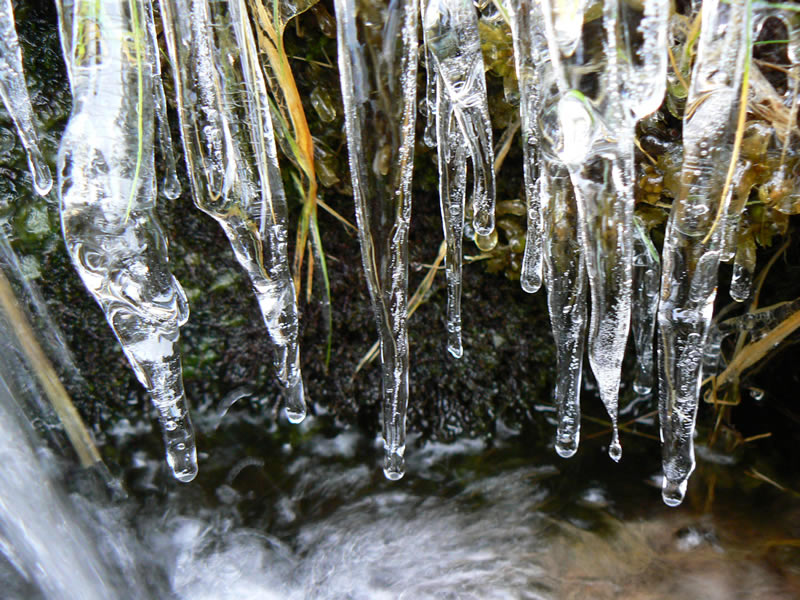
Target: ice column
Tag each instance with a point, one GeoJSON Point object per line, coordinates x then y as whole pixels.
{"type": "Point", "coordinates": [379, 91]}
{"type": "Point", "coordinates": [530, 56]}
{"type": "Point", "coordinates": [107, 191]}
{"type": "Point", "coordinates": [585, 61]}
{"type": "Point", "coordinates": [462, 129]}
{"type": "Point", "coordinates": [553, 240]}
{"type": "Point", "coordinates": [567, 287]}
{"type": "Point", "coordinates": [229, 144]}
{"type": "Point", "coordinates": [170, 187]}
{"type": "Point", "coordinates": [15, 97]}
{"type": "Point", "coordinates": [693, 240]}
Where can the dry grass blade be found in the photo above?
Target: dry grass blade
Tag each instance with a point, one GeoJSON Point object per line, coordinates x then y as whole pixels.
{"type": "Point", "coordinates": [755, 351]}
{"type": "Point", "coordinates": [416, 301]}
{"type": "Point", "coordinates": [74, 427]}
{"type": "Point", "coordinates": [270, 28]}
{"type": "Point", "coordinates": [740, 123]}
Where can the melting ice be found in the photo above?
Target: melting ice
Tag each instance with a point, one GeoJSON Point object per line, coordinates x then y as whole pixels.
{"type": "Point", "coordinates": [587, 73]}
{"type": "Point", "coordinates": [379, 96]}
{"type": "Point", "coordinates": [107, 192]}
{"type": "Point", "coordinates": [229, 145]}
{"type": "Point", "coordinates": [463, 130]}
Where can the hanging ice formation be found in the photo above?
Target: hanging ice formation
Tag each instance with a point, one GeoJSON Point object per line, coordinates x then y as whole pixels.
{"type": "Point", "coordinates": [229, 144]}
{"type": "Point", "coordinates": [552, 248]}
{"type": "Point", "coordinates": [379, 95]}
{"type": "Point", "coordinates": [463, 129]}
{"type": "Point", "coordinates": [170, 186]}
{"type": "Point", "coordinates": [532, 61]}
{"type": "Point", "coordinates": [15, 97]}
{"type": "Point", "coordinates": [587, 72]}
{"type": "Point", "coordinates": [605, 84]}
{"type": "Point", "coordinates": [693, 241]}
{"type": "Point", "coordinates": [107, 193]}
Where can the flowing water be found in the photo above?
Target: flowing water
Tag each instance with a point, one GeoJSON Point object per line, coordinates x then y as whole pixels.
{"type": "Point", "coordinates": [304, 517]}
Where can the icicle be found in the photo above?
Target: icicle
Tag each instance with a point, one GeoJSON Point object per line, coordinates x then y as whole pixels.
{"type": "Point", "coordinates": [462, 127]}
{"type": "Point", "coordinates": [693, 240]}
{"type": "Point", "coordinates": [231, 158]}
{"type": "Point", "coordinates": [530, 56]}
{"type": "Point", "coordinates": [170, 187]}
{"type": "Point", "coordinates": [605, 208]}
{"type": "Point", "coordinates": [646, 278]}
{"type": "Point", "coordinates": [565, 279]}
{"type": "Point", "coordinates": [380, 116]}
{"type": "Point", "coordinates": [106, 187]}
{"type": "Point", "coordinates": [15, 97]}
{"type": "Point", "coordinates": [605, 86]}
{"type": "Point", "coordinates": [429, 134]}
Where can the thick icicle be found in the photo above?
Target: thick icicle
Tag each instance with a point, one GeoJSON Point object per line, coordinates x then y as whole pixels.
{"type": "Point", "coordinates": [15, 97]}
{"type": "Point", "coordinates": [646, 278]}
{"type": "Point", "coordinates": [106, 187]}
{"type": "Point", "coordinates": [231, 158]}
{"type": "Point", "coordinates": [379, 94]}
{"type": "Point", "coordinates": [530, 56]}
{"type": "Point", "coordinates": [693, 239]}
{"type": "Point", "coordinates": [462, 129]}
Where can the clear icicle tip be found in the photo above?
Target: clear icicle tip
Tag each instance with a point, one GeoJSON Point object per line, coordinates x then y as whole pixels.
{"type": "Point", "coordinates": [394, 465]}
{"type": "Point", "coordinates": [42, 178]}
{"type": "Point", "coordinates": [171, 186]}
{"type": "Point", "coordinates": [615, 449]}
{"type": "Point", "coordinates": [181, 454]}
{"type": "Point", "coordinates": [295, 402]}
{"type": "Point", "coordinates": [454, 346]}
{"type": "Point", "coordinates": [566, 448]}
{"type": "Point", "coordinates": [673, 492]}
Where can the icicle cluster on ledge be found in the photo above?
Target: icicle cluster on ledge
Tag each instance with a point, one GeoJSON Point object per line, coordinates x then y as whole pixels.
{"type": "Point", "coordinates": [588, 73]}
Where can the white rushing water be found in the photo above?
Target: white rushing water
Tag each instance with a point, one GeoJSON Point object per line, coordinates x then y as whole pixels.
{"type": "Point", "coordinates": [588, 73]}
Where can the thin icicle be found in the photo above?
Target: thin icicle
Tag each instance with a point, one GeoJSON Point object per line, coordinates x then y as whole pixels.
{"type": "Point", "coordinates": [231, 158]}
{"type": "Point", "coordinates": [693, 240]}
{"type": "Point", "coordinates": [565, 279]}
{"type": "Point", "coordinates": [170, 186]}
{"type": "Point", "coordinates": [462, 129]}
{"type": "Point", "coordinates": [379, 94]}
{"type": "Point", "coordinates": [646, 278]}
{"type": "Point", "coordinates": [106, 187]}
{"type": "Point", "coordinates": [15, 97]}
{"type": "Point", "coordinates": [530, 56]}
